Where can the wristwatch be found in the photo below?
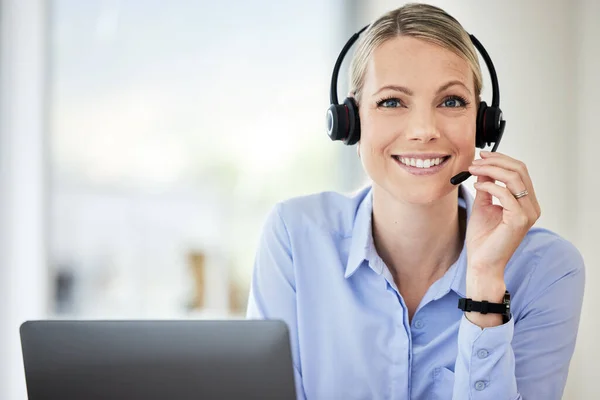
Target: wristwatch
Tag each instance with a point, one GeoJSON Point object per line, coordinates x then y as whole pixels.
{"type": "Point", "coordinates": [485, 307]}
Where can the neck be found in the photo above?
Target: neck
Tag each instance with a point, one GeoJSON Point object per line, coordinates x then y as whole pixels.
{"type": "Point", "coordinates": [418, 242]}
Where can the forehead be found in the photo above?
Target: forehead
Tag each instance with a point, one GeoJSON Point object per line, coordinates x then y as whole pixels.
{"type": "Point", "coordinates": [416, 64]}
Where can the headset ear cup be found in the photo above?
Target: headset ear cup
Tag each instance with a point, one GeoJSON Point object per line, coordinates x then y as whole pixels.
{"type": "Point", "coordinates": [489, 125]}
{"type": "Point", "coordinates": [491, 121]}
{"type": "Point", "coordinates": [480, 130]}
{"type": "Point", "coordinates": [353, 121]}
{"type": "Point", "coordinates": [337, 122]}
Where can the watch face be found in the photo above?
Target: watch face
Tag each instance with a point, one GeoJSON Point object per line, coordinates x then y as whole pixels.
{"type": "Point", "coordinates": [506, 301]}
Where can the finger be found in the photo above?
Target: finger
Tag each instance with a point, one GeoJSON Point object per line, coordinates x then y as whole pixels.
{"type": "Point", "coordinates": [502, 160]}
{"type": "Point", "coordinates": [507, 164]}
{"type": "Point", "coordinates": [511, 179]}
{"type": "Point", "coordinates": [513, 183]}
{"type": "Point", "coordinates": [514, 213]}
{"type": "Point", "coordinates": [483, 198]}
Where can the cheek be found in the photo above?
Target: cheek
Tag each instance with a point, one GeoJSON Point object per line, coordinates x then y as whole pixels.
{"type": "Point", "coordinates": [459, 130]}
{"type": "Point", "coordinates": [376, 133]}
{"type": "Point", "coordinates": [462, 137]}
{"type": "Point", "coordinates": [373, 143]}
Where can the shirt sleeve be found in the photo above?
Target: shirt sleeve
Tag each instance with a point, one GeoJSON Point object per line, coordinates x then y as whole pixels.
{"type": "Point", "coordinates": [272, 289]}
{"type": "Point", "coordinates": [527, 358]}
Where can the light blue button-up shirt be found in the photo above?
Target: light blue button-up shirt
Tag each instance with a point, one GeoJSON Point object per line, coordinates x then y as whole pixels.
{"type": "Point", "coordinates": [317, 269]}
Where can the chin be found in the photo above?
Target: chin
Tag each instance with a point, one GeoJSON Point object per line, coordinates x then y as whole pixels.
{"type": "Point", "coordinates": [423, 194]}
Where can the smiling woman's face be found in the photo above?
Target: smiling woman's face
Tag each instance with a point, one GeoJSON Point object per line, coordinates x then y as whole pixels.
{"type": "Point", "coordinates": [417, 107]}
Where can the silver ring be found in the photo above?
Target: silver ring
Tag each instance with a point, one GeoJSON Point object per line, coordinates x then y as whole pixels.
{"type": "Point", "coordinates": [521, 194]}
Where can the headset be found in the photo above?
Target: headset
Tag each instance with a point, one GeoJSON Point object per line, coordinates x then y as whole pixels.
{"type": "Point", "coordinates": [343, 122]}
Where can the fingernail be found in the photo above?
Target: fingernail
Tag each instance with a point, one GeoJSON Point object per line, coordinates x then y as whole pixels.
{"type": "Point", "coordinates": [484, 152]}
{"type": "Point", "coordinates": [478, 161]}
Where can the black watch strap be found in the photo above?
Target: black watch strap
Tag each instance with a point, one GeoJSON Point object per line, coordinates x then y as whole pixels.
{"type": "Point", "coordinates": [485, 307]}
{"type": "Point", "coordinates": [482, 307]}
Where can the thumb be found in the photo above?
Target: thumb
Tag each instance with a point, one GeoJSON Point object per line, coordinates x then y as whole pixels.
{"type": "Point", "coordinates": [483, 198]}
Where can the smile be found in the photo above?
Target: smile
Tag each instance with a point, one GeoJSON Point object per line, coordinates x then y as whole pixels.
{"type": "Point", "coordinates": [419, 166]}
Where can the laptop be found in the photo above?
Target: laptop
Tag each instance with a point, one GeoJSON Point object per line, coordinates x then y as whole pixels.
{"type": "Point", "coordinates": [140, 359]}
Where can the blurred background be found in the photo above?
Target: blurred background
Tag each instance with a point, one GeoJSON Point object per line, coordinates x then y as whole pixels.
{"type": "Point", "coordinates": [142, 143]}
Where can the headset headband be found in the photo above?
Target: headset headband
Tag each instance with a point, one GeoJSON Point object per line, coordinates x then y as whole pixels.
{"type": "Point", "coordinates": [488, 62]}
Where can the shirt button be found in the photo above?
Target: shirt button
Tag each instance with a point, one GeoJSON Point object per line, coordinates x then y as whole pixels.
{"type": "Point", "coordinates": [418, 324]}
{"type": "Point", "coordinates": [480, 385]}
{"type": "Point", "coordinates": [483, 353]}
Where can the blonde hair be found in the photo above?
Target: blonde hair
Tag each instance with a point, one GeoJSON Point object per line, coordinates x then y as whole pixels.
{"type": "Point", "coordinates": [422, 21]}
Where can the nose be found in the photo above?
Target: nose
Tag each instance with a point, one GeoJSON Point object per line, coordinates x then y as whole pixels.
{"type": "Point", "coordinates": [421, 125]}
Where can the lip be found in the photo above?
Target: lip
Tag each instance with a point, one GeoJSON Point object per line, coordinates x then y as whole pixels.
{"type": "Point", "coordinates": [422, 171]}
{"type": "Point", "coordinates": [422, 156]}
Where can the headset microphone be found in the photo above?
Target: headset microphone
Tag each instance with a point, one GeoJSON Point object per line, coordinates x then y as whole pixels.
{"type": "Point", "coordinates": [343, 121]}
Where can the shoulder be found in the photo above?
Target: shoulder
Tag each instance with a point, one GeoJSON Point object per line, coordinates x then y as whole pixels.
{"type": "Point", "coordinates": [330, 211]}
{"type": "Point", "coordinates": [543, 259]}
{"type": "Point", "coordinates": [546, 245]}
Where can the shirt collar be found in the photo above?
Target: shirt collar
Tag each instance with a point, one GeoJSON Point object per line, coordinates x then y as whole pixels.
{"type": "Point", "coordinates": [362, 236]}
{"type": "Point", "coordinates": [361, 245]}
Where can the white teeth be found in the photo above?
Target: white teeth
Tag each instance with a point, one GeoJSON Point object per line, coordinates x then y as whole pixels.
{"type": "Point", "coordinates": [420, 163]}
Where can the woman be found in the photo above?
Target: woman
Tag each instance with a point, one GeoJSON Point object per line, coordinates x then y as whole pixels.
{"type": "Point", "coordinates": [369, 284]}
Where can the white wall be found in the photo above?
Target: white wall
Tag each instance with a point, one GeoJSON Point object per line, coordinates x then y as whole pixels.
{"type": "Point", "coordinates": [547, 56]}
{"type": "Point", "coordinates": [23, 272]}
{"type": "Point", "coordinates": [586, 192]}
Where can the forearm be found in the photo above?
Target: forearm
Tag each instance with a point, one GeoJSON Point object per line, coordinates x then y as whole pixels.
{"type": "Point", "coordinates": [485, 284]}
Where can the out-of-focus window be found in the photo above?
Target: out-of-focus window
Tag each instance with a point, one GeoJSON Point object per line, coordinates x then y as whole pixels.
{"type": "Point", "coordinates": [175, 127]}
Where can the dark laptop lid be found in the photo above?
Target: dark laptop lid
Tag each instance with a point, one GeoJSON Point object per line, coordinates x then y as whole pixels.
{"type": "Point", "coordinates": [249, 359]}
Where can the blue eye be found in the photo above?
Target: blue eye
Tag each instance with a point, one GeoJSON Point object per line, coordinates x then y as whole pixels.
{"type": "Point", "coordinates": [389, 103]}
{"type": "Point", "coordinates": [454, 102]}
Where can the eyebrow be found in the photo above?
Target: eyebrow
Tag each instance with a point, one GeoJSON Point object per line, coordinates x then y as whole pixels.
{"type": "Point", "coordinates": [395, 88]}
{"type": "Point", "coordinates": [410, 92]}
{"type": "Point", "coordinates": [452, 83]}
